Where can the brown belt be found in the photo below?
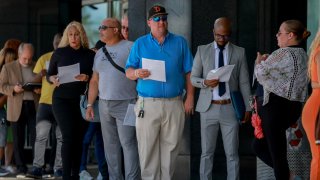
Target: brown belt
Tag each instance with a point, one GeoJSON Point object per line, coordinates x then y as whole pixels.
{"type": "Point", "coordinates": [225, 101]}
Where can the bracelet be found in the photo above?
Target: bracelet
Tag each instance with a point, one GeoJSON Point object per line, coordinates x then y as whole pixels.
{"type": "Point", "coordinates": [89, 105]}
{"type": "Point", "coordinates": [136, 73]}
{"type": "Point", "coordinates": [317, 141]}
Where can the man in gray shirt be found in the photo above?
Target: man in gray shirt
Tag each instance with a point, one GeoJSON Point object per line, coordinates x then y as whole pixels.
{"type": "Point", "coordinates": [115, 94]}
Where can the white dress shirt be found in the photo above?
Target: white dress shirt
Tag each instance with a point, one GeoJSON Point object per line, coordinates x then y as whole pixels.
{"type": "Point", "coordinates": [215, 90]}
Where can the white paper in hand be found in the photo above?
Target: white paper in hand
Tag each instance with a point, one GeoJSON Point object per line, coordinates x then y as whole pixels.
{"type": "Point", "coordinates": [222, 73]}
{"type": "Point", "coordinates": [157, 69]}
{"type": "Point", "coordinates": [67, 74]}
{"type": "Point", "coordinates": [47, 65]}
{"type": "Point", "coordinates": [130, 118]}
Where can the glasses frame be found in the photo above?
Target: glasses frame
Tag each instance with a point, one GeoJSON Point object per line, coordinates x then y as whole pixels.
{"type": "Point", "coordinates": [159, 18]}
{"type": "Point", "coordinates": [103, 27]}
{"type": "Point", "coordinates": [124, 27]}
{"type": "Point", "coordinates": [279, 33]}
{"type": "Point", "coordinates": [219, 36]}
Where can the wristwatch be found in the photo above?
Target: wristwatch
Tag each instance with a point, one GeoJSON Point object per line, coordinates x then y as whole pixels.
{"type": "Point", "coordinates": [89, 105]}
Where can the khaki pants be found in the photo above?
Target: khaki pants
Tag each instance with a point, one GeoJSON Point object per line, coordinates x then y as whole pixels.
{"type": "Point", "coordinates": [158, 134]}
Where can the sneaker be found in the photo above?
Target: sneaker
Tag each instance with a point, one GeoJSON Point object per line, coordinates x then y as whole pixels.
{"type": "Point", "coordinates": [36, 173]}
{"type": "Point", "coordinates": [22, 169]}
{"type": "Point", "coordinates": [49, 170]}
{"type": "Point", "coordinates": [58, 173]}
{"type": "Point", "coordinates": [3, 172]}
{"type": "Point", "coordinates": [99, 177]}
{"type": "Point", "coordinates": [84, 175]}
{"type": "Point", "coordinates": [10, 169]}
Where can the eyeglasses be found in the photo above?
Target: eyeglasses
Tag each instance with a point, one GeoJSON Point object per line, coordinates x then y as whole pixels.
{"type": "Point", "coordinates": [279, 33]}
{"type": "Point", "coordinates": [103, 27]}
{"type": "Point", "coordinates": [158, 18]}
{"type": "Point", "coordinates": [125, 27]}
{"type": "Point", "coordinates": [219, 36]}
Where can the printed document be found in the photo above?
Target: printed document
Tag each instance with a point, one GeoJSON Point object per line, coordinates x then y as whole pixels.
{"type": "Point", "coordinates": [157, 69]}
{"type": "Point", "coordinates": [130, 118]}
{"type": "Point", "coordinates": [47, 65]}
{"type": "Point", "coordinates": [67, 74]}
{"type": "Point", "coordinates": [222, 73]}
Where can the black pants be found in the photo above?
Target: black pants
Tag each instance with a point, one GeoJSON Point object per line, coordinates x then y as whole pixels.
{"type": "Point", "coordinates": [276, 117]}
{"type": "Point", "coordinates": [53, 139]}
{"type": "Point", "coordinates": [73, 127]}
{"type": "Point", "coordinates": [27, 119]}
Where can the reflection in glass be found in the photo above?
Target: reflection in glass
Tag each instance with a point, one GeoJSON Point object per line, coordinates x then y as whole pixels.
{"type": "Point", "coordinates": [92, 16]}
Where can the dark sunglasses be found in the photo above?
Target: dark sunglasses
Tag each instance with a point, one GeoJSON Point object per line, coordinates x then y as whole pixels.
{"type": "Point", "coordinates": [103, 27]}
{"type": "Point", "coordinates": [158, 18]}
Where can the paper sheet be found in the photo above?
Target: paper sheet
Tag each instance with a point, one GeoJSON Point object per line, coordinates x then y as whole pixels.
{"type": "Point", "coordinates": [157, 69]}
{"type": "Point", "coordinates": [222, 73]}
{"type": "Point", "coordinates": [67, 74]}
{"type": "Point", "coordinates": [130, 118]}
{"type": "Point", "coordinates": [47, 65]}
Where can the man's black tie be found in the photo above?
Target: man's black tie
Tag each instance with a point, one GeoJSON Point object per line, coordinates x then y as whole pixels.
{"type": "Point", "coordinates": [222, 85]}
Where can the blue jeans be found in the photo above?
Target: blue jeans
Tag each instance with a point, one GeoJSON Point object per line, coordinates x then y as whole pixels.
{"type": "Point", "coordinates": [94, 129]}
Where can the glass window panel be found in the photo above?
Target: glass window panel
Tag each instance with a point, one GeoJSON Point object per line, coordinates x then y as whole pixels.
{"type": "Point", "coordinates": [116, 9]}
{"type": "Point", "coordinates": [92, 15]}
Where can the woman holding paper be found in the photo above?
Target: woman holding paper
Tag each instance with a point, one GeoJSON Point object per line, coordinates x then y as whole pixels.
{"type": "Point", "coordinates": [283, 75]}
{"type": "Point", "coordinates": [310, 114]}
{"type": "Point", "coordinates": [69, 70]}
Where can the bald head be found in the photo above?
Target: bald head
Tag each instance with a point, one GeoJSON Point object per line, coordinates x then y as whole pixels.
{"type": "Point", "coordinates": [222, 31]}
{"type": "Point", "coordinates": [113, 22]}
{"type": "Point", "coordinates": [223, 23]}
{"type": "Point", "coordinates": [111, 33]}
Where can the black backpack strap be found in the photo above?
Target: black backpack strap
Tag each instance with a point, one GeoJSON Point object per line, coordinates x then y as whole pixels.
{"type": "Point", "coordinates": [111, 60]}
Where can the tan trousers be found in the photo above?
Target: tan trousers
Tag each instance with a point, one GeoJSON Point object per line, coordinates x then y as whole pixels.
{"type": "Point", "coordinates": [158, 135]}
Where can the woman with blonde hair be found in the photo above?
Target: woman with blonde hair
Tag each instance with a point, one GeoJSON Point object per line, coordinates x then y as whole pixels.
{"type": "Point", "coordinates": [310, 113]}
{"type": "Point", "coordinates": [72, 50]}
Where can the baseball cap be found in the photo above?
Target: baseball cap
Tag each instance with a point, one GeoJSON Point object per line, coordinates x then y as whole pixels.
{"type": "Point", "coordinates": [157, 10]}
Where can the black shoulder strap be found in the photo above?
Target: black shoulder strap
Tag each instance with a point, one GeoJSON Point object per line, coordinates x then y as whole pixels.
{"type": "Point", "coordinates": [111, 60]}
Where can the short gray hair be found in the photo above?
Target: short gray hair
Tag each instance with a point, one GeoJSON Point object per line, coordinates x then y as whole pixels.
{"type": "Point", "coordinates": [24, 45]}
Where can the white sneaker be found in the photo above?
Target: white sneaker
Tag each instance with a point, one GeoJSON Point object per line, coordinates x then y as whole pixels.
{"type": "Point", "coordinates": [99, 177]}
{"type": "Point", "coordinates": [85, 175]}
{"type": "Point", "coordinates": [3, 172]}
{"type": "Point", "coordinates": [10, 169]}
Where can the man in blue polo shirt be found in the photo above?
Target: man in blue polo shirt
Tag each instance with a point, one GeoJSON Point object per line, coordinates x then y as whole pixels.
{"type": "Point", "coordinates": [160, 110]}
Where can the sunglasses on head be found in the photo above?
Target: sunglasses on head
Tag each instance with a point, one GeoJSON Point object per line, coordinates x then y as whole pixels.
{"type": "Point", "coordinates": [158, 18]}
{"type": "Point", "coordinates": [103, 27]}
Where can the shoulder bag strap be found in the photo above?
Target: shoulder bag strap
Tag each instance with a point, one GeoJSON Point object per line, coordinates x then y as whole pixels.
{"type": "Point", "coordinates": [111, 60]}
